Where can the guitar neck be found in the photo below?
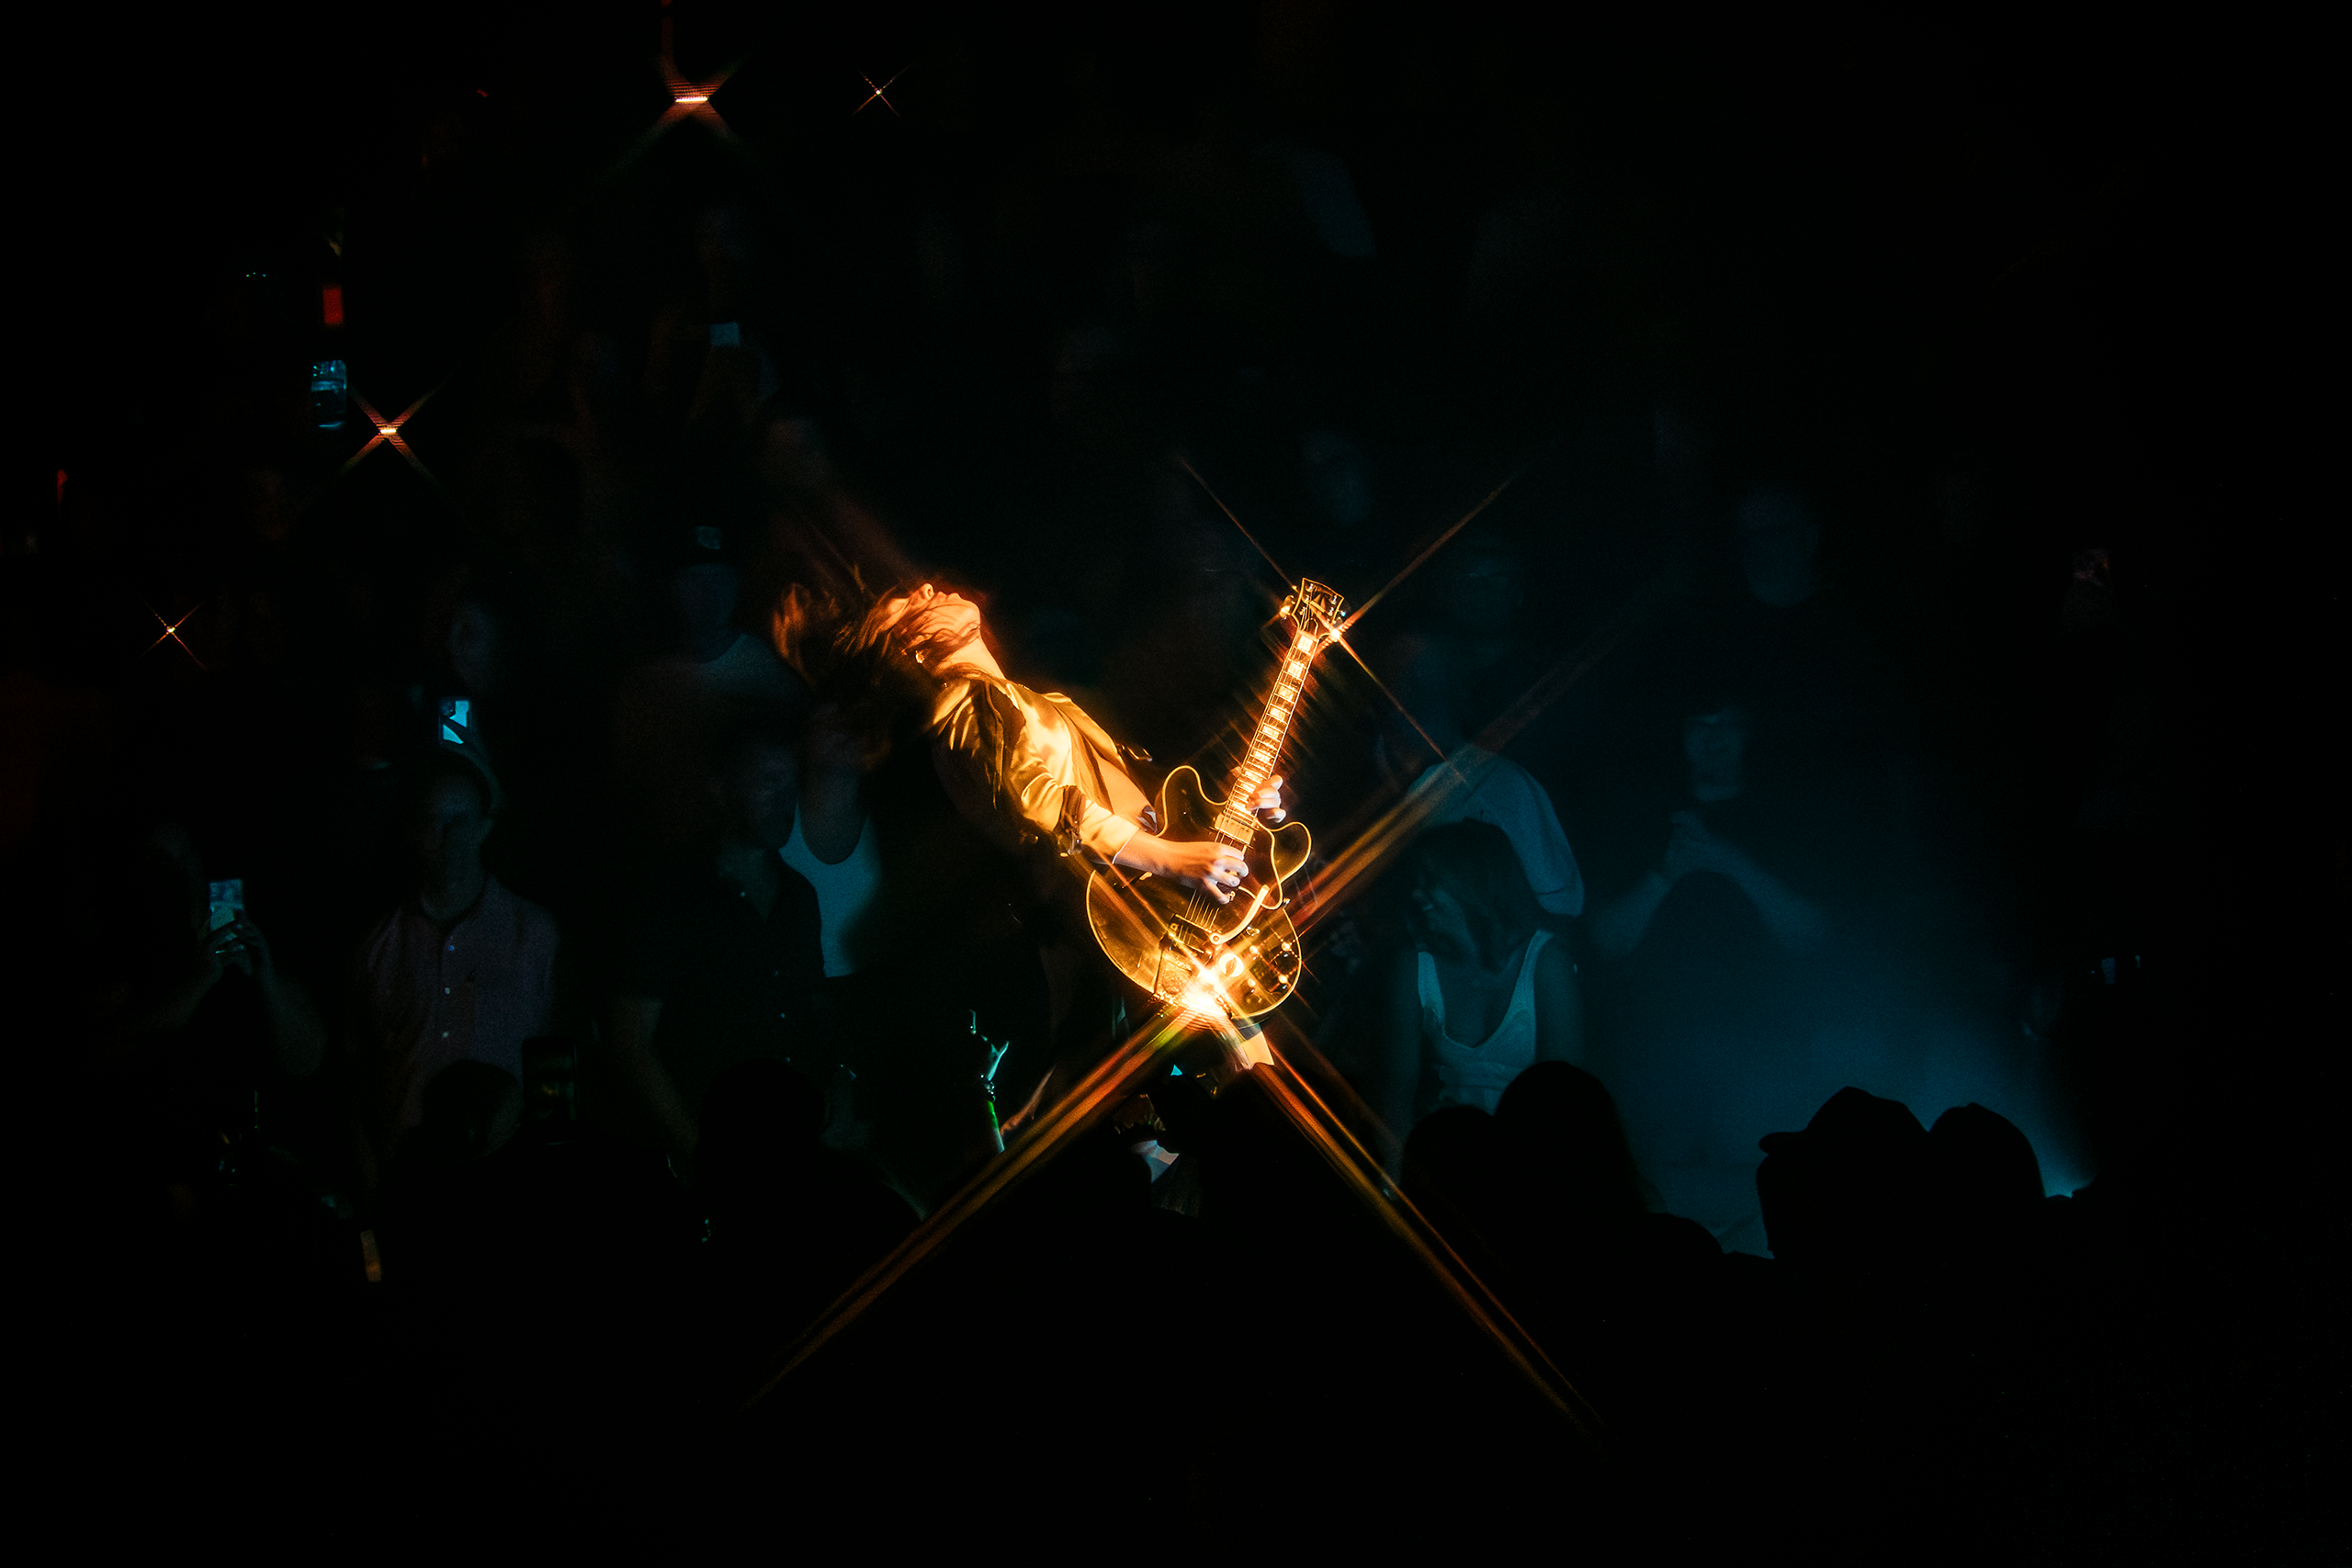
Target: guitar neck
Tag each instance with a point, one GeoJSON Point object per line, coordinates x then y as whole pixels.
{"type": "Point", "coordinates": [1265, 749]}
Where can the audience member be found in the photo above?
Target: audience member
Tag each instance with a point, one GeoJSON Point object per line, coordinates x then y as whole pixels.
{"type": "Point", "coordinates": [1484, 992]}
{"type": "Point", "coordinates": [1988, 1184]}
{"type": "Point", "coordinates": [723, 960]}
{"type": "Point", "coordinates": [670, 712]}
{"type": "Point", "coordinates": [1853, 1191]}
{"type": "Point", "coordinates": [462, 969]}
{"type": "Point", "coordinates": [1716, 745]}
{"type": "Point", "coordinates": [1468, 782]}
{"type": "Point", "coordinates": [1714, 975]}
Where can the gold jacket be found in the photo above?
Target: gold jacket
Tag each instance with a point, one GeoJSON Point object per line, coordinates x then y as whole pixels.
{"type": "Point", "coordinates": [1026, 767]}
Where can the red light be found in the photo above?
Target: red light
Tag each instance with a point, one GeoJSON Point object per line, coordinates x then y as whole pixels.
{"type": "Point", "coordinates": [330, 304]}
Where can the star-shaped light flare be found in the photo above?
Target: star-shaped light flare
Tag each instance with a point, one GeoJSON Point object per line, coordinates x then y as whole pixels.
{"type": "Point", "coordinates": [387, 434]}
{"type": "Point", "coordinates": [171, 633]}
{"type": "Point", "coordinates": [880, 93]}
{"type": "Point", "coordinates": [688, 100]}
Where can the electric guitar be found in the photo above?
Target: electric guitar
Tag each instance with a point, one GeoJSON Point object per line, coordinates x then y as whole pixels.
{"type": "Point", "coordinates": [1240, 959]}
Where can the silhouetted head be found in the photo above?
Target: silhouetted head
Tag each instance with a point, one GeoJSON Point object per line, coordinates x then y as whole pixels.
{"type": "Point", "coordinates": [1853, 1190]}
{"type": "Point", "coordinates": [1469, 896]}
{"type": "Point", "coordinates": [1986, 1177]}
{"type": "Point", "coordinates": [1565, 1134]}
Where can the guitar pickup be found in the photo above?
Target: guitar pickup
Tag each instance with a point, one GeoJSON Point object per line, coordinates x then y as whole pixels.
{"type": "Point", "coordinates": [1191, 941]}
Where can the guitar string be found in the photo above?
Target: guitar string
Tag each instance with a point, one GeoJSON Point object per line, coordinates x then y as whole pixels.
{"type": "Point", "coordinates": [1198, 910]}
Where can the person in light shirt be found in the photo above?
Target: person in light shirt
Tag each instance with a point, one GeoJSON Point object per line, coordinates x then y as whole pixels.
{"type": "Point", "coordinates": [462, 969]}
{"type": "Point", "coordinates": [1458, 781]}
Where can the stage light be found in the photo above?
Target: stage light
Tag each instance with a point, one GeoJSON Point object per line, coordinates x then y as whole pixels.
{"type": "Point", "coordinates": [172, 634]}
{"type": "Point", "coordinates": [877, 94]}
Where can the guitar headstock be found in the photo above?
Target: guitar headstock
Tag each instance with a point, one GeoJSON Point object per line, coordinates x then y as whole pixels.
{"type": "Point", "coordinates": [1315, 614]}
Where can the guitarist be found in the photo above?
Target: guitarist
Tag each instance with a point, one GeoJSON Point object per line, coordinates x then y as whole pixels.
{"type": "Point", "coordinates": [1040, 780]}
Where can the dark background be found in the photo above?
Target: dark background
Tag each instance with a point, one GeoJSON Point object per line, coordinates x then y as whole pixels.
{"type": "Point", "coordinates": [1991, 292]}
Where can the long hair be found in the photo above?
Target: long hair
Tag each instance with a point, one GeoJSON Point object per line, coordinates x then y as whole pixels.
{"type": "Point", "coordinates": [1476, 863]}
{"type": "Point", "coordinates": [837, 640]}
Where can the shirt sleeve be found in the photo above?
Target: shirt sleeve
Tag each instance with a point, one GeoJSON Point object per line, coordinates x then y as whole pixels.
{"type": "Point", "coordinates": [1017, 769]}
{"type": "Point", "coordinates": [1523, 809]}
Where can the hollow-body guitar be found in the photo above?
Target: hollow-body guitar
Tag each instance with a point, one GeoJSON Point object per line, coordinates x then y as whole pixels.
{"type": "Point", "coordinates": [1240, 959]}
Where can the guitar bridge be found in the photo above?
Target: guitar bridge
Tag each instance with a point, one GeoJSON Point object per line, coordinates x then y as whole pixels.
{"type": "Point", "coordinates": [1236, 975]}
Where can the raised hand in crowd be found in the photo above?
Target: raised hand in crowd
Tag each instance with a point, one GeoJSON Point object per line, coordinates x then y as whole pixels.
{"type": "Point", "coordinates": [1618, 926]}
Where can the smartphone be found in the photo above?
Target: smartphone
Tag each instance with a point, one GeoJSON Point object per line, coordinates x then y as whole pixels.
{"type": "Point", "coordinates": [457, 719]}
{"type": "Point", "coordinates": [226, 904]}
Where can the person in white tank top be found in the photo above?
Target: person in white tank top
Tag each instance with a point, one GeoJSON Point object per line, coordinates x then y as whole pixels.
{"type": "Point", "coordinates": [1484, 993]}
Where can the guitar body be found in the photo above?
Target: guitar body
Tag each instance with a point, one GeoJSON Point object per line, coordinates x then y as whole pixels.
{"type": "Point", "coordinates": [1240, 959]}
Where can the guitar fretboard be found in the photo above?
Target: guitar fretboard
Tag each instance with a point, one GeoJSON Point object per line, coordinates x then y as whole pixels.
{"type": "Point", "coordinates": [1265, 749]}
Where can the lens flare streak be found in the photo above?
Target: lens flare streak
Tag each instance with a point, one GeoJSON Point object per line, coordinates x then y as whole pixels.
{"type": "Point", "coordinates": [387, 434]}
{"type": "Point", "coordinates": [1140, 1056]}
{"type": "Point", "coordinates": [1436, 544]}
{"type": "Point", "coordinates": [1120, 1073]}
{"type": "Point", "coordinates": [1355, 1166]}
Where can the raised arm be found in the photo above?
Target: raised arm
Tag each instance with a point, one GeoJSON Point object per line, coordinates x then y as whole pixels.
{"type": "Point", "coordinates": [1794, 921]}
{"type": "Point", "coordinates": [1619, 923]}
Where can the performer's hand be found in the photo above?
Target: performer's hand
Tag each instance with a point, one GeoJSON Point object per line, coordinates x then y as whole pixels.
{"type": "Point", "coordinates": [1270, 799]}
{"type": "Point", "coordinates": [1214, 867]}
